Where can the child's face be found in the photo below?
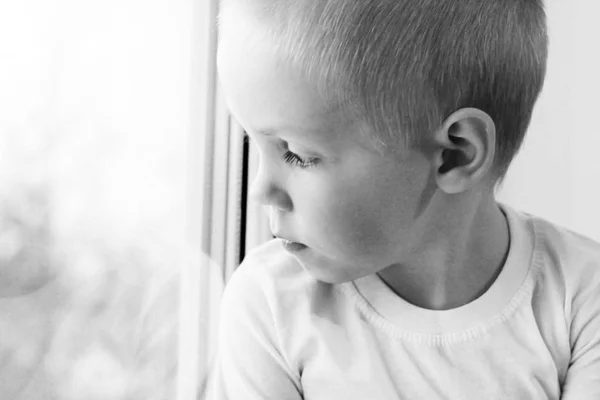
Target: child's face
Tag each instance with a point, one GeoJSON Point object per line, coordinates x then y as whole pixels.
{"type": "Point", "coordinates": [356, 211]}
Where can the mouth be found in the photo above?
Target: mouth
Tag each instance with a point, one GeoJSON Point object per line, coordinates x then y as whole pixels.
{"type": "Point", "coordinates": [291, 246]}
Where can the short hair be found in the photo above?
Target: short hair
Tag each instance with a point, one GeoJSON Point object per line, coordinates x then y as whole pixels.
{"type": "Point", "coordinates": [403, 66]}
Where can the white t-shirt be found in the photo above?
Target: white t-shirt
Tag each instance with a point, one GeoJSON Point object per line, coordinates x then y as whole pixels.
{"type": "Point", "coordinates": [535, 334]}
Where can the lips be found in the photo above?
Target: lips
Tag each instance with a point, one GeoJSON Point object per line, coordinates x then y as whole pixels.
{"type": "Point", "coordinates": [290, 245]}
{"type": "Point", "coordinates": [293, 246]}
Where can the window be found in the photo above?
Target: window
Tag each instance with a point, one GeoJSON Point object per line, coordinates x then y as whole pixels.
{"type": "Point", "coordinates": [119, 208]}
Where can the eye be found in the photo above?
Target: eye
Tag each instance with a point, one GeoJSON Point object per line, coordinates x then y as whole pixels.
{"type": "Point", "coordinates": [296, 161]}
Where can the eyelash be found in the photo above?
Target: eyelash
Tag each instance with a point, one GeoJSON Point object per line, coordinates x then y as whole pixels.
{"type": "Point", "coordinates": [292, 158]}
{"type": "Point", "coordinates": [296, 161]}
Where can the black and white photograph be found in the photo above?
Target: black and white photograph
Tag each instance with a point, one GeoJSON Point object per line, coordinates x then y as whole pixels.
{"type": "Point", "coordinates": [299, 200]}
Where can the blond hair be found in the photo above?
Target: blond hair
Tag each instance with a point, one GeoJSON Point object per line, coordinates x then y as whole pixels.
{"type": "Point", "coordinates": [403, 66]}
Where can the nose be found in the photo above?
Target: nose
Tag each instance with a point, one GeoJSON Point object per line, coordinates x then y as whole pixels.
{"type": "Point", "coordinates": [267, 191]}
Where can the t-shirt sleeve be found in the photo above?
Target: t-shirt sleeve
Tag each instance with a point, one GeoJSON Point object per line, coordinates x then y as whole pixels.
{"type": "Point", "coordinates": [583, 375]}
{"type": "Point", "coordinates": [249, 364]}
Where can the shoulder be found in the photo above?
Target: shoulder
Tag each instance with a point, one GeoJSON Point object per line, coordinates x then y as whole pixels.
{"type": "Point", "coordinates": [577, 258]}
{"type": "Point", "coordinates": [267, 280]}
{"type": "Point", "coordinates": [574, 257]}
{"type": "Point", "coordinates": [271, 261]}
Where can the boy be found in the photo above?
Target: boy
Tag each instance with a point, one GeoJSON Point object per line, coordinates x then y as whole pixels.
{"type": "Point", "coordinates": [383, 127]}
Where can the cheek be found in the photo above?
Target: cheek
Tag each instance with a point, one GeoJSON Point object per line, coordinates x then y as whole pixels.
{"type": "Point", "coordinates": [362, 231]}
{"type": "Point", "coordinates": [359, 220]}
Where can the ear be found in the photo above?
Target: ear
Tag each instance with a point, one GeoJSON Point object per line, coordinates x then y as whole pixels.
{"type": "Point", "coordinates": [465, 148]}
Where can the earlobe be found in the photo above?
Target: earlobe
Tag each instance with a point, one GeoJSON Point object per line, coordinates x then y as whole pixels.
{"type": "Point", "coordinates": [466, 144]}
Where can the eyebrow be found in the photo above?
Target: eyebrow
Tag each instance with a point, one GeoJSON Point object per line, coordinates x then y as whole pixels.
{"type": "Point", "coordinates": [293, 129]}
{"type": "Point", "coordinates": [267, 132]}
{"type": "Point", "coordinates": [296, 131]}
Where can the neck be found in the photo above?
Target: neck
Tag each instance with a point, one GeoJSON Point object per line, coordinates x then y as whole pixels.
{"type": "Point", "coordinates": [465, 251]}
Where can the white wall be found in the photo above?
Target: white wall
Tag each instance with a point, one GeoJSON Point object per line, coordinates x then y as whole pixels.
{"type": "Point", "coordinates": [557, 173]}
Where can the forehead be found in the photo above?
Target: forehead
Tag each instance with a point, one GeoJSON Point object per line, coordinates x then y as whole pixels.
{"type": "Point", "coordinates": [265, 93]}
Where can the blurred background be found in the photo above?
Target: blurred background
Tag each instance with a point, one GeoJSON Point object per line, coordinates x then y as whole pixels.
{"type": "Point", "coordinates": [95, 128]}
{"type": "Point", "coordinates": [123, 185]}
